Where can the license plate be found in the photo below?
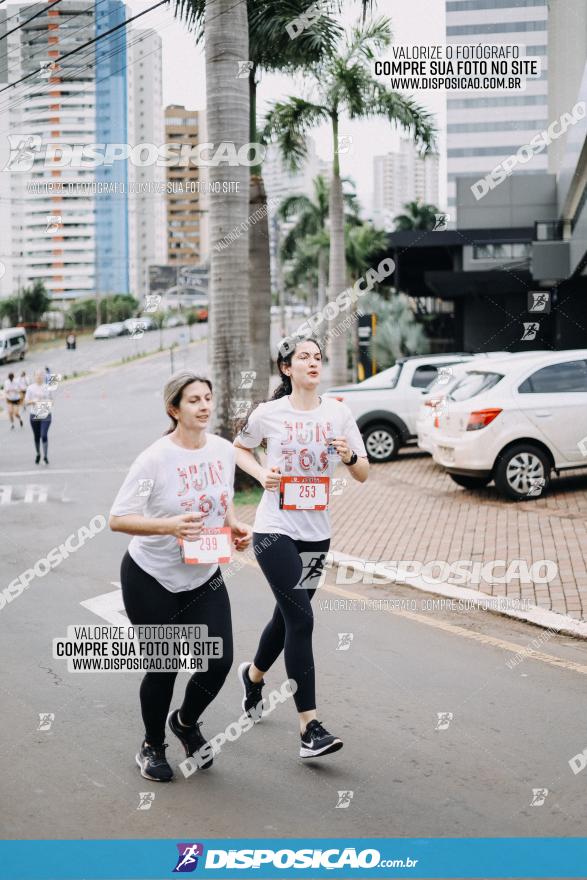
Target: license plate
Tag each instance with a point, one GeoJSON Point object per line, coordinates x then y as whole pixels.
{"type": "Point", "coordinates": [304, 493]}
{"type": "Point", "coordinates": [447, 452]}
{"type": "Point", "coordinates": [213, 545]}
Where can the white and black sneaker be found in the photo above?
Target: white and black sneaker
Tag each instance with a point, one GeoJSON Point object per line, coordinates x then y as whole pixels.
{"type": "Point", "coordinates": [252, 702]}
{"type": "Point", "coordinates": [192, 740]}
{"type": "Point", "coordinates": [153, 763]}
{"type": "Point", "coordinates": [316, 741]}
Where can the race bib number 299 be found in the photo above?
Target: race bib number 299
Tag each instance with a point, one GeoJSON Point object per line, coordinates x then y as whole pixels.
{"type": "Point", "coordinates": [214, 545]}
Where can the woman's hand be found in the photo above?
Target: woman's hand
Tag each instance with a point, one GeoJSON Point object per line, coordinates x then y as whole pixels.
{"type": "Point", "coordinates": [271, 479]}
{"type": "Point", "coordinates": [342, 447]}
{"type": "Point", "coordinates": [242, 535]}
{"type": "Point", "coordinates": [187, 526]}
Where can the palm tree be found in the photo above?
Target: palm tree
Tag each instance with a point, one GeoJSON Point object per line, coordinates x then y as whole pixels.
{"type": "Point", "coordinates": [398, 332]}
{"type": "Point", "coordinates": [418, 215]}
{"type": "Point", "coordinates": [311, 216]}
{"type": "Point", "coordinates": [270, 48]}
{"type": "Point", "coordinates": [343, 84]}
{"type": "Point", "coordinates": [227, 110]}
{"type": "Point", "coordinates": [363, 244]}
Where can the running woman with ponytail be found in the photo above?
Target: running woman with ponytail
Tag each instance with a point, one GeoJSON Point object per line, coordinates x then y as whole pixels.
{"type": "Point", "coordinates": [305, 436]}
{"type": "Point", "coordinates": [177, 489]}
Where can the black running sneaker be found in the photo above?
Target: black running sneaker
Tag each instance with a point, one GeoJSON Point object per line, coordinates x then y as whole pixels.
{"type": "Point", "coordinates": [252, 702]}
{"type": "Point", "coordinates": [192, 740]}
{"type": "Point", "coordinates": [316, 741]}
{"type": "Point", "coordinates": [153, 763]}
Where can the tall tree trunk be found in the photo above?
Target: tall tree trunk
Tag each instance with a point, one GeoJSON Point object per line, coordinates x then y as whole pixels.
{"type": "Point", "coordinates": [337, 273]}
{"type": "Point", "coordinates": [260, 288]}
{"type": "Point", "coordinates": [227, 108]}
{"type": "Point", "coordinates": [322, 287]}
{"type": "Point", "coordinates": [280, 280]}
{"type": "Point", "coordinates": [259, 264]}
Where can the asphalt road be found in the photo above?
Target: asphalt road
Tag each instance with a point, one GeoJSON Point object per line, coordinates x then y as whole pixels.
{"type": "Point", "coordinates": [92, 354]}
{"type": "Point", "coordinates": [512, 729]}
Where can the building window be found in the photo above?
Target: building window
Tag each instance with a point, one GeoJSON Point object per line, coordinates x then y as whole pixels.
{"type": "Point", "coordinates": [505, 251]}
{"type": "Point", "coordinates": [497, 150]}
{"type": "Point", "coordinates": [506, 27]}
{"type": "Point", "coordinates": [505, 101]}
{"type": "Point", "coordinates": [466, 5]}
{"type": "Point", "coordinates": [502, 125]}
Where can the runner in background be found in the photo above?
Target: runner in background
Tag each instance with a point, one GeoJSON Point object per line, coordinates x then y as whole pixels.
{"type": "Point", "coordinates": [39, 398]}
{"type": "Point", "coordinates": [177, 489]}
{"type": "Point", "coordinates": [23, 384]}
{"type": "Point", "coordinates": [12, 397]}
{"type": "Point", "coordinates": [304, 436]}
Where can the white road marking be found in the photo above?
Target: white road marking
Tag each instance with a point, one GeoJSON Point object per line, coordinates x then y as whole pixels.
{"type": "Point", "coordinates": [108, 606]}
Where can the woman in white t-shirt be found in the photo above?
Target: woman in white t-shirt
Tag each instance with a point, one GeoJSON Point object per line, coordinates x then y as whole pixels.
{"type": "Point", "coordinates": [305, 436]}
{"type": "Point", "coordinates": [12, 397]}
{"type": "Point", "coordinates": [40, 399]}
{"type": "Point", "coordinates": [176, 490]}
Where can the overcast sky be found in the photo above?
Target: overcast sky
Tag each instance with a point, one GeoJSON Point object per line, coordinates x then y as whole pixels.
{"type": "Point", "coordinates": [419, 22]}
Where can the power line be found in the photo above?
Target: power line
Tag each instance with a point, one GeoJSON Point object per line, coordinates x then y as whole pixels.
{"type": "Point", "coordinates": [137, 38]}
{"type": "Point", "coordinates": [32, 18]}
{"type": "Point", "coordinates": [43, 34]}
{"type": "Point", "coordinates": [89, 43]}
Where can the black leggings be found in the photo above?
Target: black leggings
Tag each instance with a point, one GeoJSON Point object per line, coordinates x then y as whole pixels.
{"type": "Point", "coordinates": [147, 602]}
{"type": "Point", "coordinates": [41, 432]}
{"type": "Point", "coordinates": [290, 628]}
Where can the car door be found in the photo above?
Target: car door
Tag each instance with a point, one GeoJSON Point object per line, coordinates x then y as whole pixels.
{"type": "Point", "coordinates": [554, 399]}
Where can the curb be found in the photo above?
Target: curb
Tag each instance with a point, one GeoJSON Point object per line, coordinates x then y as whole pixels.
{"type": "Point", "coordinates": [536, 616]}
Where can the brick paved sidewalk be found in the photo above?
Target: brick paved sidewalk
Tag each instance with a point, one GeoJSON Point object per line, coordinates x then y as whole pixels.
{"type": "Point", "coordinates": [410, 509]}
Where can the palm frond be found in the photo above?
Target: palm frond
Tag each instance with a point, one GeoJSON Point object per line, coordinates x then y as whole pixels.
{"type": "Point", "coordinates": [289, 122]}
{"type": "Point", "coordinates": [192, 13]}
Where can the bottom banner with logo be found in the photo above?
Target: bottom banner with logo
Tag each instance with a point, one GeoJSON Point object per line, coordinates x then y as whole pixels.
{"type": "Point", "coordinates": [296, 857]}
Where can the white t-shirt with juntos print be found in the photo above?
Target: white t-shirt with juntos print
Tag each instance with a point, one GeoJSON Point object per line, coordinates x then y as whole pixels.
{"type": "Point", "coordinates": [167, 480]}
{"type": "Point", "coordinates": [297, 445]}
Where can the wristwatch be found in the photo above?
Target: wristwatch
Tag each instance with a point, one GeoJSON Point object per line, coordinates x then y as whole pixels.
{"type": "Point", "coordinates": [352, 460]}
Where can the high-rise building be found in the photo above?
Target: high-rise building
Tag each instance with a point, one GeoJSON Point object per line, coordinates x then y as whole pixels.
{"type": "Point", "coordinates": [186, 196]}
{"type": "Point", "coordinates": [280, 181]}
{"type": "Point", "coordinates": [146, 199]}
{"type": "Point", "coordinates": [483, 128]}
{"type": "Point", "coordinates": [401, 177]}
{"type": "Point", "coordinates": [56, 227]}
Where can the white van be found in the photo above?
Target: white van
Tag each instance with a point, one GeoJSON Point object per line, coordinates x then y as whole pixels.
{"type": "Point", "coordinates": [13, 344]}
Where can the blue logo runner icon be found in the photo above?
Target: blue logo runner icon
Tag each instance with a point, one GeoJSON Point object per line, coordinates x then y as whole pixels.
{"type": "Point", "coordinates": [187, 859]}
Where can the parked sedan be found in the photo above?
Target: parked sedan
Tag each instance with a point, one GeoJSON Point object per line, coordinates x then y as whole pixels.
{"type": "Point", "coordinates": [108, 331]}
{"type": "Point", "coordinates": [515, 421]}
{"type": "Point", "coordinates": [434, 397]}
{"type": "Point", "coordinates": [386, 405]}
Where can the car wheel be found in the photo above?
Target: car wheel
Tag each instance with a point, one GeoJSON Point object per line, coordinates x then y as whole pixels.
{"type": "Point", "coordinates": [470, 482]}
{"type": "Point", "coordinates": [21, 356]}
{"type": "Point", "coordinates": [381, 442]}
{"type": "Point", "coordinates": [522, 472]}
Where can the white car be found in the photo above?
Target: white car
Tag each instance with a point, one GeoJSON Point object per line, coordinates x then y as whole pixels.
{"type": "Point", "coordinates": [434, 397]}
{"type": "Point", "coordinates": [515, 421]}
{"type": "Point", "coordinates": [135, 325]}
{"type": "Point", "coordinates": [386, 405]}
{"type": "Point", "coordinates": [108, 331]}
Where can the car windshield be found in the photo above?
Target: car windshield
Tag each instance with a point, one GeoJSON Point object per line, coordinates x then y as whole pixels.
{"type": "Point", "coordinates": [385, 379]}
{"type": "Point", "coordinates": [474, 383]}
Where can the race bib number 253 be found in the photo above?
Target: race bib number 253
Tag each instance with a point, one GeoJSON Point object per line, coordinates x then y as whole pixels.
{"type": "Point", "coordinates": [304, 493]}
